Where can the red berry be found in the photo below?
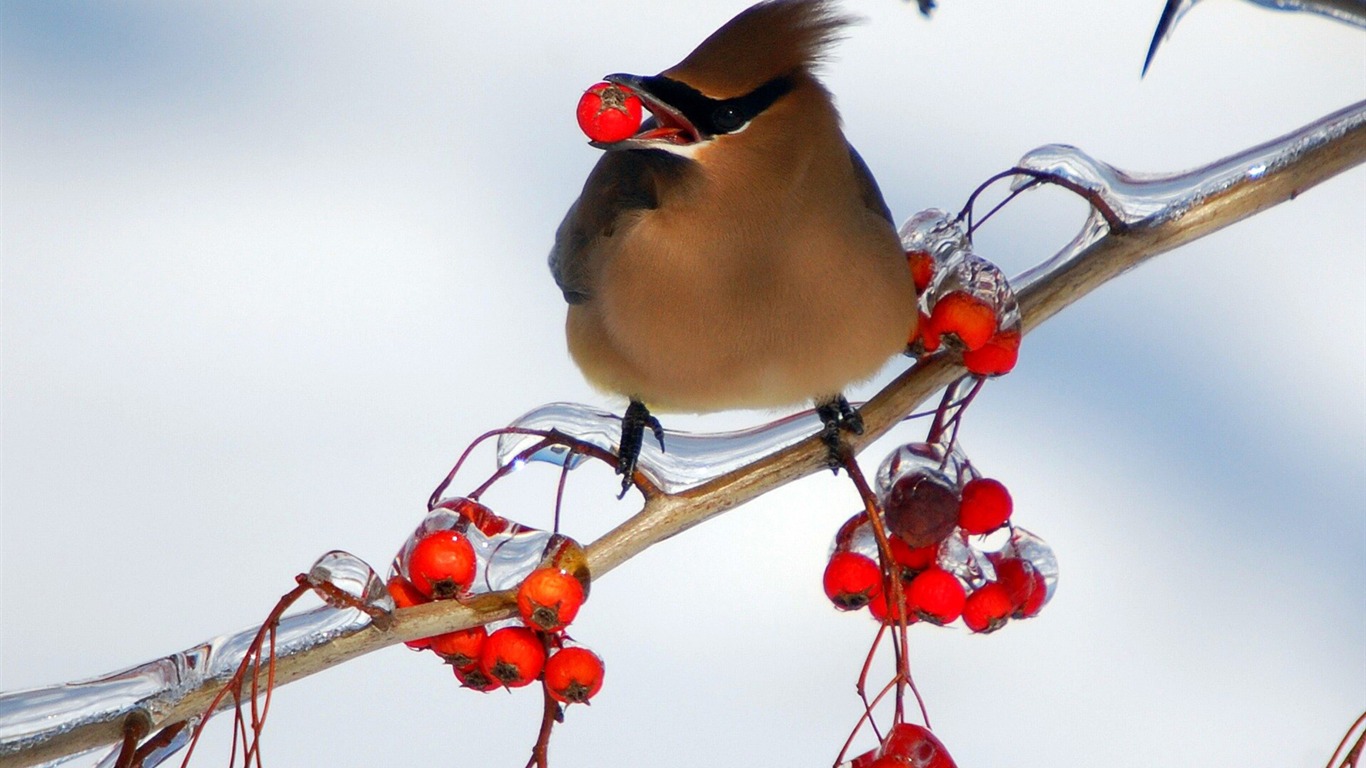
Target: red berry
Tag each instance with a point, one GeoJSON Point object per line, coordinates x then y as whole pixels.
{"type": "Point", "coordinates": [573, 675]}
{"type": "Point", "coordinates": [549, 598]}
{"type": "Point", "coordinates": [609, 113]}
{"type": "Point", "coordinates": [914, 746]}
{"type": "Point", "coordinates": [851, 580]}
{"type": "Point", "coordinates": [936, 595]}
{"type": "Point", "coordinates": [461, 647]}
{"type": "Point", "coordinates": [986, 506]}
{"type": "Point", "coordinates": [965, 316]}
{"type": "Point", "coordinates": [879, 608]}
{"type": "Point", "coordinates": [987, 609]}
{"type": "Point", "coordinates": [922, 269]}
{"type": "Point", "coordinates": [442, 564]}
{"type": "Point", "coordinates": [1023, 584]}
{"type": "Point", "coordinates": [474, 678]}
{"type": "Point", "coordinates": [995, 358]}
{"type": "Point", "coordinates": [913, 558]}
{"type": "Point", "coordinates": [406, 596]}
{"type": "Point", "coordinates": [513, 656]}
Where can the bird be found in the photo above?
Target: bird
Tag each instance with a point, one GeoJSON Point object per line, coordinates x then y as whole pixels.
{"type": "Point", "coordinates": [736, 252]}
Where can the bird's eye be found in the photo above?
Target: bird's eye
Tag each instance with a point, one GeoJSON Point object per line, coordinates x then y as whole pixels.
{"type": "Point", "coordinates": [727, 119]}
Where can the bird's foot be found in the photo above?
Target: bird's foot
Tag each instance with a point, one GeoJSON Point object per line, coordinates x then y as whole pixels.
{"type": "Point", "coordinates": [836, 416]}
{"type": "Point", "coordinates": [633, 426]}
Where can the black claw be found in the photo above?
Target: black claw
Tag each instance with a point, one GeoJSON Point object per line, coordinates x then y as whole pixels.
{"type": "Point", "coordinates": [837, 415]}
{"type": "Point", "coordinates": [633, 425]}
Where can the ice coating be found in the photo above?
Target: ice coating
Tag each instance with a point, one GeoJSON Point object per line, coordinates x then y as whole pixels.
{"type": "Point", "coordinates": [953, 469]}
{"type": "Point", "coordinates": [1347, 11]}
{"type": "Point", "coordinates": [958, 556]}
{"type": "Point", "coordinates": [965, 271]}
{"type": "Point", "coordinates": [856, 535]}
{"type": "Point", "coordinates": [31, 717]}
{"type": "Point", "coordinates": [28, 718]}
{"type": "Point", "coordinates": [1149, 199]}
{"type": "Point", "coordinates": [1027, 546]}
{"type": "Point", "coordinates": [934, 232]}
{"type": "Point", "coordinates": [688, 460]}
{"type": "Point", "coordinates": [353, 576]}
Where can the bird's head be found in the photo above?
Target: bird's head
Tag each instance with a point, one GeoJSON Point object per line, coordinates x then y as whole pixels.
{"type": "Point", "coordinates": [733, 79]}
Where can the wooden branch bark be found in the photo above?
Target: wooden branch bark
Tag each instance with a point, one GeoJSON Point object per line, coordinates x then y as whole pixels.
{"type": "Point", "coordinates": [1049, 289]}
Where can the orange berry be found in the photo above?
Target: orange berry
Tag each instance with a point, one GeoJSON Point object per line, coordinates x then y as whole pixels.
{"type": "Point", "coordinates": [406, 596]}
{"type": "Point", "coordinates": [573, 675]}
{"type": "Point", "coordinates": [442, 564]}
{"type": "Point", "coordinates": [922, 269]}
{"type": "Point", "coordinates": [475, 679]}
{"type": "Point", "coordinates": [512, 656]}
{"type": "Point", "coordinates": [461, 647]}
{"type": "Point", "coordinates": [965, 316]}
{"type": "Point", "coordinates": [925, 340]}
{"type": "Point", "coordinates": [995, 358]}
{"type": "Point", "coordinates": [609, 113]}
{"type": "Point", "coordinates": [549, 598]}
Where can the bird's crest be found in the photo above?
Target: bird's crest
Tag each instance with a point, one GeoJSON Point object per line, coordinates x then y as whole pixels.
{"type": "Point", "coordinates": [765, 41]}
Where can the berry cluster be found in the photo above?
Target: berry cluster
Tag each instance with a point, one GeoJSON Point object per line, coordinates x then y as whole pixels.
{"type": "Point", "coordinates": [461, 549]}
{"type": "Point", "coordinates": [609, 113]}
{"type": "Point", "coordinates": [933, 500]}
{"type": "Point", "coordinates": [966, 303]}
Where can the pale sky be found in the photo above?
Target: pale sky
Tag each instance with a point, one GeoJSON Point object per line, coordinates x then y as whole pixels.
{"type": "Point", "coordinates": [269, 267]}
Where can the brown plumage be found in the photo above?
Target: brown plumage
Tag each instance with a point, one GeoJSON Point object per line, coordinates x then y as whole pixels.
{"type": "Point", "coordinates": [737, 252]}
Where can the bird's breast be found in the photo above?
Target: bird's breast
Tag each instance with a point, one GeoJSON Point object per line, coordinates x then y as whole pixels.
{"type": "Point", "coordinates": [706, 310]}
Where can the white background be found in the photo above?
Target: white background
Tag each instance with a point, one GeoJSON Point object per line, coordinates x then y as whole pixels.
{"type": "Point", "coordinates": [267, 270]}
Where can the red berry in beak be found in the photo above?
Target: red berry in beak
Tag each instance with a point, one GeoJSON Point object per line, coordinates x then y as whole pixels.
{"type": "Point", "coordinates": [609, 113]}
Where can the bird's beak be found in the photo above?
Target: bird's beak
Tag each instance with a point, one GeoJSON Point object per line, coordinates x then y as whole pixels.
{"type": "Point", "coordinates": [667, 127]}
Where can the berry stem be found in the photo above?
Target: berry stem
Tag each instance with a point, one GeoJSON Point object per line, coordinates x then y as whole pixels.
{"type": "Point", "coordinates": [550, 714]}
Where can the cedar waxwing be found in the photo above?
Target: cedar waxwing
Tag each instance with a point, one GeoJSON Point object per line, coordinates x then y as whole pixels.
{"type": "Point", "coordinates": [736, 252]}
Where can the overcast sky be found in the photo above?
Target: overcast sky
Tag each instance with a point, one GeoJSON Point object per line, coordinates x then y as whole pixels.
{"type": "Point", "coordinates": [269, 267]}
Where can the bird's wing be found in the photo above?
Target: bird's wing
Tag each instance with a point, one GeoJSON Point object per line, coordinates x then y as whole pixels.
{"type": "Point", "coordinates": [621, 183]}
{"type": "Point", "coordinates": [868, 189]}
